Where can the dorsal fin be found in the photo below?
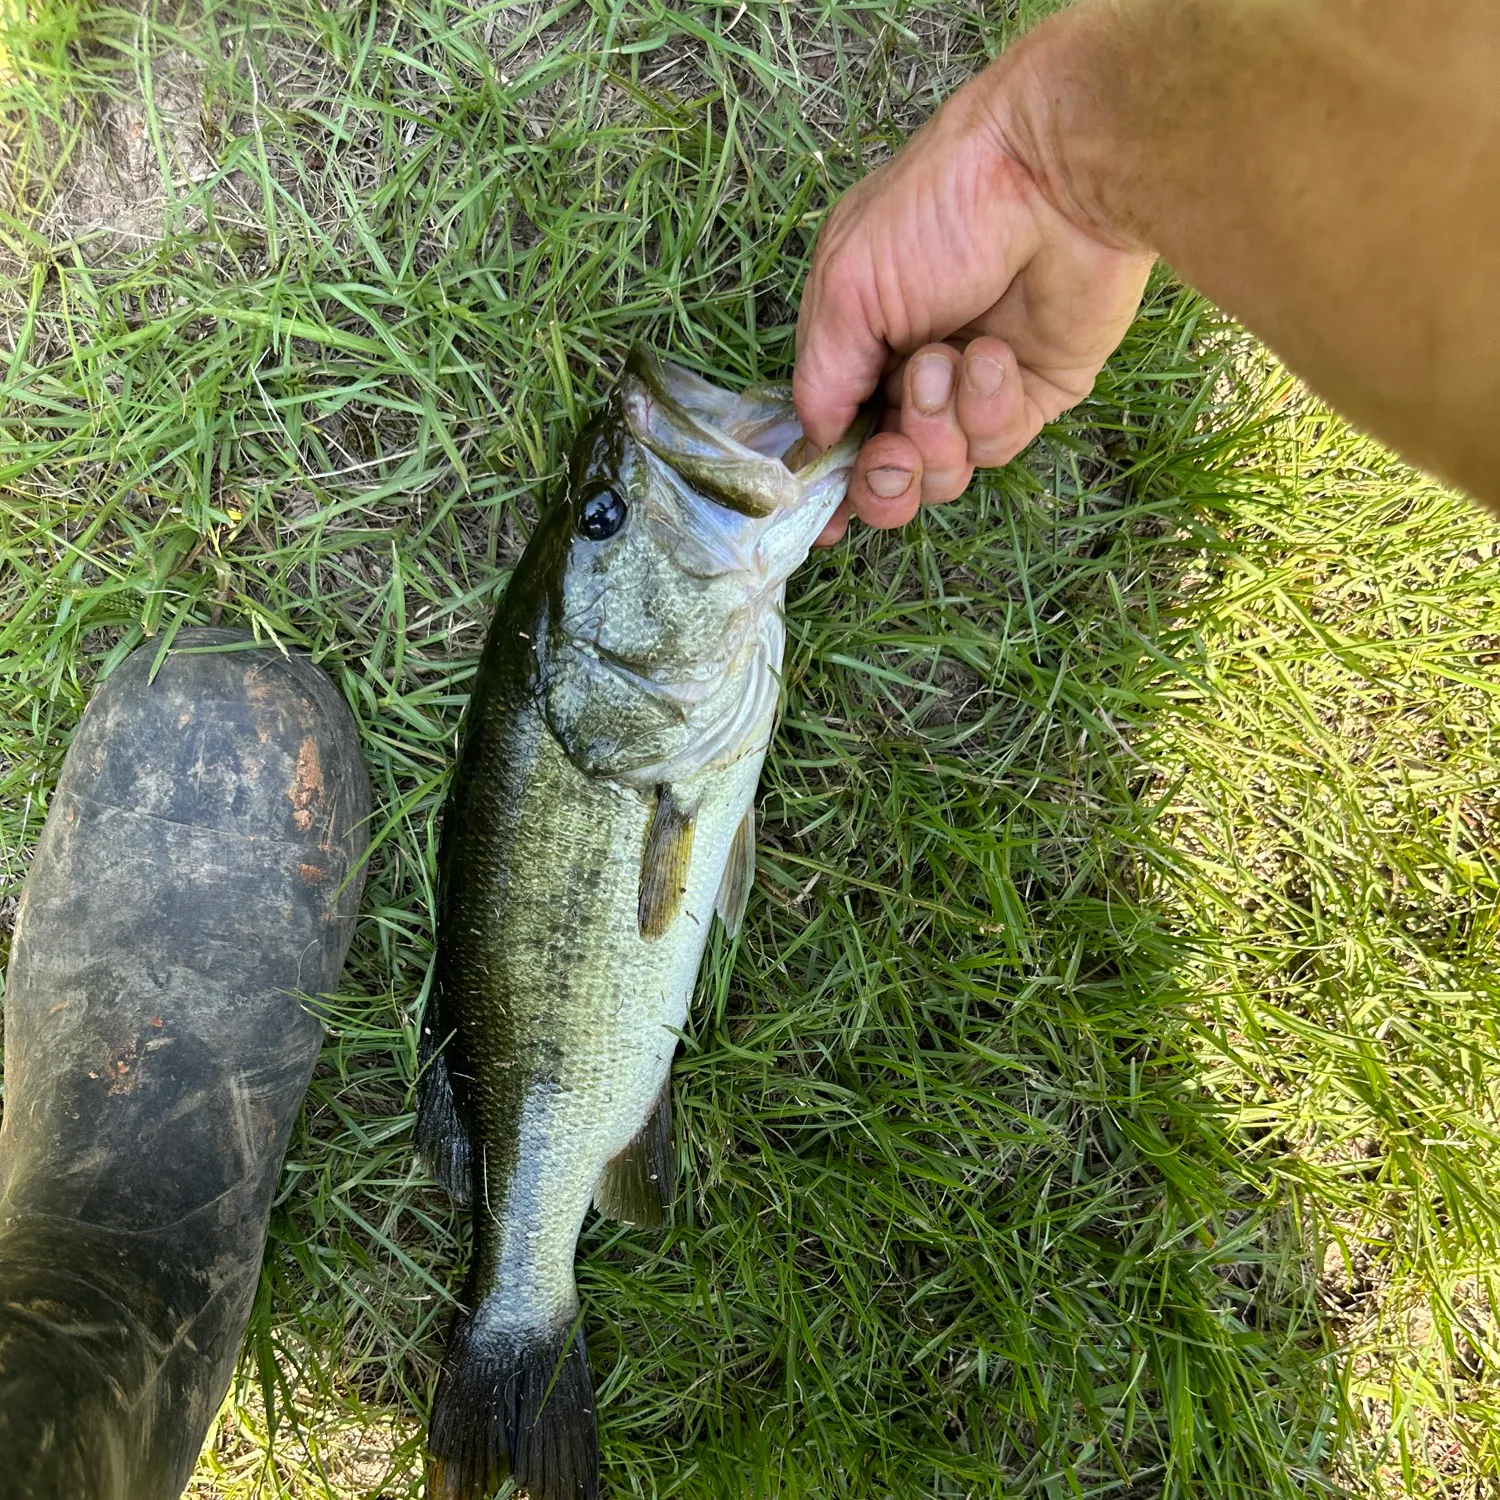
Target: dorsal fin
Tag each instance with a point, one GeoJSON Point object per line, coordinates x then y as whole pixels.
{"type": "Point", "coordinates": [665, 860]}
{"type": "Point", "coordinates": [739, 874]}
{"type": "Point", "coordinates": [638, 1185]}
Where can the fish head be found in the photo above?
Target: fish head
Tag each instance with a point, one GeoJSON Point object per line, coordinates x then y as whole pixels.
{"type": "Point", "coordinates": [684, 520]}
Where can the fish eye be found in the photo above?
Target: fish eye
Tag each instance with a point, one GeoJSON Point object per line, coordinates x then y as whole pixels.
{"type": "Point", "coordinates": [602, 515]}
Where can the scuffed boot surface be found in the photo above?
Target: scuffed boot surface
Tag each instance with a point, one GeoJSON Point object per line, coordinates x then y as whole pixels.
{"type": "Point", "coordinates": [196, 879]}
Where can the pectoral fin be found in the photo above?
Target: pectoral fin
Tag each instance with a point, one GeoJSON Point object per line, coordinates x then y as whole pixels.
{"type": "Point", "coordinates": [739, 874]}
{"type": "Point", "coordinates": [638, 1184]}
{"type": "Point", "coordinates": [664, 863]}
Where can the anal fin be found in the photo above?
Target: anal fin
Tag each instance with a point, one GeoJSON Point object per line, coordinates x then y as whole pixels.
{"type": "Point", "coordinates": [665, 861]}
{"type": "Point", "coordinates": [739, 874]}
{"type": "Point", "coordinates": [639, 1184]}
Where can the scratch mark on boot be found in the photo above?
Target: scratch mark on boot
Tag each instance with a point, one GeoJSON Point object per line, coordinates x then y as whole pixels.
{"type": "Point", "coordinates": [306, 790]}
{"type": "Point", "coordinates": [121, 1070]}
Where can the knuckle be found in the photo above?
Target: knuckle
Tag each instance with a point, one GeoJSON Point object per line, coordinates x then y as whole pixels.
{"type": "Point", "coordinates": [887, 448]}
{"type": "Point", "coordinates": [939, 489]}
{"type": "Point", "coordinates": [992, 348]}
{"type": "Point", "coordinates": [995, 453]}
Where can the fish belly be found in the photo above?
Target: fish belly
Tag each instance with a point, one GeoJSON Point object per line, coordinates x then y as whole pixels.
{"type": "Point", "coordinates": [572, 1038]}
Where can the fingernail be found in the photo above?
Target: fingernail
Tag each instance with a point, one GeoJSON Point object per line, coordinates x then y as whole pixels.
{"type": "Point", "coordinates": [984, 375]}
{"type": "Point", "coordinates": [932, 382]}
{"type": "Point", "coordinates": [888, 482]}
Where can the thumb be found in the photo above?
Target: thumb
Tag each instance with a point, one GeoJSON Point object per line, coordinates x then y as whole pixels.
{"type": "Point", "coordinates": [840, 361]}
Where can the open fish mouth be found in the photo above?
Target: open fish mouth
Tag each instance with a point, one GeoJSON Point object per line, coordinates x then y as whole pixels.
{"type": "Point", "coordinates": [743, 450]}
{"type": "Point", "coordinates": [666, 635]}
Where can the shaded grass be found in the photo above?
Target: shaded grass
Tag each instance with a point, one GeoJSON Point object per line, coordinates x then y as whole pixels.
{"type": "Point", "coordinates": [1097, 1100]}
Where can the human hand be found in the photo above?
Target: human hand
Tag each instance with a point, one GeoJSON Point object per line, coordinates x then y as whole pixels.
{"type": "Point", "coordinates": [965, 276]}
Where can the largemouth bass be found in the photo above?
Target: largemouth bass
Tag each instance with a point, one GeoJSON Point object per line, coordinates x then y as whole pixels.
{"type": "Point", "coordinates": [601, 812]}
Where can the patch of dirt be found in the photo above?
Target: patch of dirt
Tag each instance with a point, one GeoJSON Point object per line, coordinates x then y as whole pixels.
{"type": "Point", "coordinates": [135, 154]}
{"type": "Point", "coordinates": [350, 1457]}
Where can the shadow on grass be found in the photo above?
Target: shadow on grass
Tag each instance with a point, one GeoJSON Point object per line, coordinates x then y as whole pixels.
{"type": "Point", "coordinates": [980, 1228]}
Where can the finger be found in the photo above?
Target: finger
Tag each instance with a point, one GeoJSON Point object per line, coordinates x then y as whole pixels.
{"type": "Point", "coordinates": [886, 486]}
{"type": "Point", "coordinates": [838, 524]}
{"type": "Point", "coordinates": [992, 409]}
{"type": "Point", "coordinates": [929, 417]}
{"type": "Point", "coordinates": [893, 382]}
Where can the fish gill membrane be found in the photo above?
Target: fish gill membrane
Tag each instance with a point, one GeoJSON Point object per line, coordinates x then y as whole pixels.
{"type": "Point", "coordinates": [601, 813]}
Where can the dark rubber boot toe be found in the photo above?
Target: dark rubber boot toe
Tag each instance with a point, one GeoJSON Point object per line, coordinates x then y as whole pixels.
{"type": "Point", "coordinates": [197, 879]}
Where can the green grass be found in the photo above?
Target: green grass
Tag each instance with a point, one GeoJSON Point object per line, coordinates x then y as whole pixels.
{"type": "Point", "coordinates": [1100, 1099]}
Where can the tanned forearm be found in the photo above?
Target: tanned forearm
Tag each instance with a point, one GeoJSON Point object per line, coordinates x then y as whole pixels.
{"type": "Point", "coordinates": [1326, 170]}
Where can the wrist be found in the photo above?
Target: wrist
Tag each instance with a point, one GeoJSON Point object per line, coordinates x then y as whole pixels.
{"type": "Point", "coordinates": [1056, 103]}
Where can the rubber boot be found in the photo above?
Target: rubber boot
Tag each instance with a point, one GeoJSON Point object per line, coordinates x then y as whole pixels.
{"type": "Point", "coordinates": [196, 881]}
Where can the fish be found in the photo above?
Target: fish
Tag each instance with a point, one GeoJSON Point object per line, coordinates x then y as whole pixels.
{"type": "Point", "coordinates": [601, 813]}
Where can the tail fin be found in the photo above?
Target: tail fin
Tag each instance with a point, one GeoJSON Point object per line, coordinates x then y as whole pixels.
{"type": "Point", "coordinates": [513, 1403]}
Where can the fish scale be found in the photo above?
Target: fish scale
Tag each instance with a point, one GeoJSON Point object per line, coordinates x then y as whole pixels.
{"type": "Point", "coordinates": [600, 813]}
